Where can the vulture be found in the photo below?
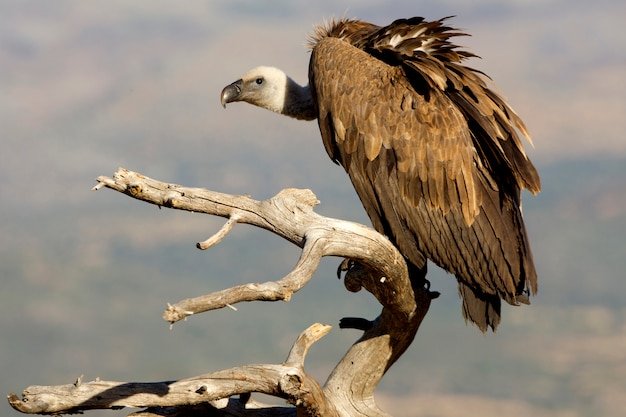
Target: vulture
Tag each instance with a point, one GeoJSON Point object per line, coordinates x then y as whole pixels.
{"type": "Point", "coordinates": [432, 150]}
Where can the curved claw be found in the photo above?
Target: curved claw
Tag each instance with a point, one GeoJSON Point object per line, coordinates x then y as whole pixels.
{"type": "Point", "coordinates": [357, 323]}
{"type": "Point", "coordinates": [344, 266]}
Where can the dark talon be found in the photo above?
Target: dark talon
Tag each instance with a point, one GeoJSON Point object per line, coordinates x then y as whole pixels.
{"type": "Point", "coordinates": [357, 323]}
{"type": "Point", "coordinates": [344, 266]}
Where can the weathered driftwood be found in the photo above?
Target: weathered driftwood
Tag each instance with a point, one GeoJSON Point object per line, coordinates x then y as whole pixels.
{"type": "Point", "coordinates": [287, 380]}
{"type": "Point", "coordinates": [348, 391]}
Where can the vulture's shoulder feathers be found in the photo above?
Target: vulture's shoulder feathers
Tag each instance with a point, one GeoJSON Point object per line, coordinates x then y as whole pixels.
{"type": "Point", "coordinates": [434, 154]}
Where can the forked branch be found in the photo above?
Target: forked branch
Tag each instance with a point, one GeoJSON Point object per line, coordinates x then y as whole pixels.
{"type": "Point", "coordinates": [287, 380]}
{"type": "Point", "coordinates": [349, 389]}
{"type": "Point", "coordinates": [290, 215]}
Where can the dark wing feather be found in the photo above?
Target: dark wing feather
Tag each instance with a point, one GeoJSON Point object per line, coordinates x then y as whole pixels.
{"type": "Point", "coordinates": [432, 153]}
{"type": "Point", "coordinates": [425, 50]}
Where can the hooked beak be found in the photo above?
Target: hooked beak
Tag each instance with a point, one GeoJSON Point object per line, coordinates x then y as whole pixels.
{"type": "Point", "coordinates": [231, 92]}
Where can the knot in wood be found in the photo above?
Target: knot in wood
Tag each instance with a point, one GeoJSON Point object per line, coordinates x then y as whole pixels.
{"type": "Point", "coordinates": [134, 189]}
{"type": "Point", "coordinates": [172, 199]}
{"type": "Point", "coordinates": [291, 383]}
{"type": "Point", "coordinates": [294, 199]}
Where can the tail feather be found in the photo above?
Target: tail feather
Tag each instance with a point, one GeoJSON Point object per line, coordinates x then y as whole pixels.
{"type": "Point", "coordinates": [481, 309]}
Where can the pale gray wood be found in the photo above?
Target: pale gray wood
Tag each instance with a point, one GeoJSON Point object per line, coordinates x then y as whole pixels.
{"type": "Point", "coordinates": [349, 390]}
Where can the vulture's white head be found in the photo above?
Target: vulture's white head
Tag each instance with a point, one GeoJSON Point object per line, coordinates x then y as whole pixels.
{"type": "Point", "coordinates": [271, 89]}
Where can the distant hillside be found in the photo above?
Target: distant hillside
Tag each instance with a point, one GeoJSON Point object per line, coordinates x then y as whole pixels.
{"type": "Point", "coordinates": [578, 227]}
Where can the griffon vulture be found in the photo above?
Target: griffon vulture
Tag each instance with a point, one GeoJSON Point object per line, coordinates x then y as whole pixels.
{"type": "Point", "coordinates": [434, 154]}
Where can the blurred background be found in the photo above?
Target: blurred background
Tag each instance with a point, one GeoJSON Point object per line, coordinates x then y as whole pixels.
{"type": "Point", "coordinates": [87, 87]}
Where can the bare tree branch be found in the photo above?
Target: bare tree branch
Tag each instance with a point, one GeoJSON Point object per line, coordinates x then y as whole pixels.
{"type": "Point", "coordinates": [288, 381]}
{"type": "Point", "coordinates": [377, 266]}
{"type": "Point", "coordinates": [290, 215]}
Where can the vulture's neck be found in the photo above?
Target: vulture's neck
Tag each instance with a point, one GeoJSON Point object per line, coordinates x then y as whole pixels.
{"type": "Point", "coordinates": [298, 102]}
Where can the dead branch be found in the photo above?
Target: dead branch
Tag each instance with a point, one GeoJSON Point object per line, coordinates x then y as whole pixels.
{"type": "Point", "coordinates": [288, 381]}
{"type": "Point", "coordinates": [290, 215]}
{"type": "Point", "coordinates": [349, 389]}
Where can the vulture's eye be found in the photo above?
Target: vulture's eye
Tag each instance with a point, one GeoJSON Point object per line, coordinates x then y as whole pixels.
{"type": "Point", "coordinates": [259, 81]}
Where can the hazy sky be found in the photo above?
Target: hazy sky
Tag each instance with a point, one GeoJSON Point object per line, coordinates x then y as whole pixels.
{"type": "Point", "coordinates": [559, 62]}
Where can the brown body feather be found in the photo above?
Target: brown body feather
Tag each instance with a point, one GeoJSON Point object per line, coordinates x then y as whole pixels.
{"type": "Point", "coordinates": [432, 152]}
